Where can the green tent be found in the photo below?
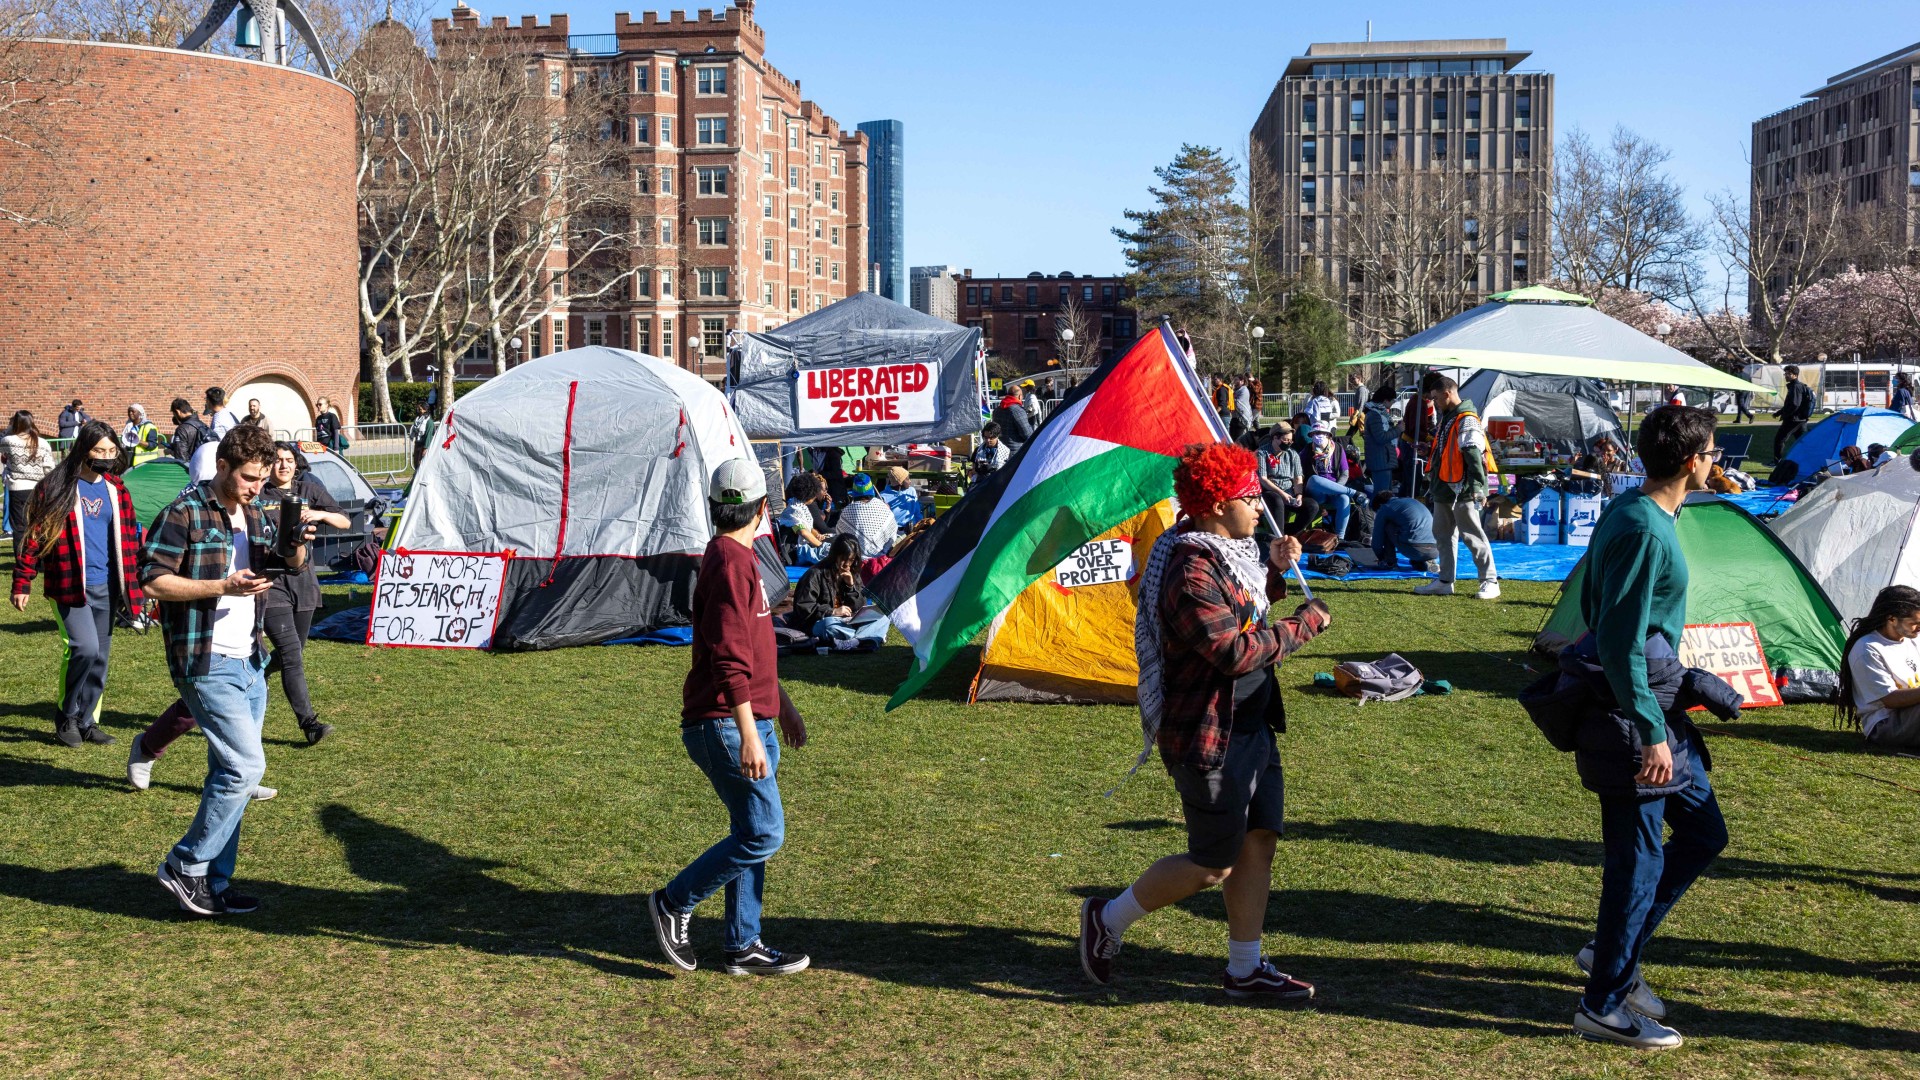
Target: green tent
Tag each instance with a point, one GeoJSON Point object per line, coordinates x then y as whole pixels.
{"type": "Point", "coordinates": [1738, 571]}
{"type": "Point", "coordinates": [154, 485]}
{"type": "Point", "coordinates": [1908, 442]}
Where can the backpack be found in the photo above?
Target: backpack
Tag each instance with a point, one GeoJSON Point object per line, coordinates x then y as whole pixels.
{"type": "Point", "coordinates": [1334, 566]}
{"type": "Point", "coordinates": [1391, 678]}
{"type": "Point", "coordinates": [1318, 542]}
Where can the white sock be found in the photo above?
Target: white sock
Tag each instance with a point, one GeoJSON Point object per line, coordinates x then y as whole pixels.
{"type": "Point", "coordinates": [1243, 957]}
{"type": "Point", "coordinates": [1121, 912]}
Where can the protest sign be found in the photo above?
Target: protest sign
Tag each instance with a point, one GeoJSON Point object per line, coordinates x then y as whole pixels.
{"type": "Point", "coordinates": [836, 397]}
{"type": "Point", "coordinates": [436, 599]}
{"type": "Point", "coordinates": [1097, 562]}
{"type": "Point", "coordinates": [1732, 651]}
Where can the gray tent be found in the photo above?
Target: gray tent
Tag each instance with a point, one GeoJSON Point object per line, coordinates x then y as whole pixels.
{"type": "Point", "coordinates": [1566, 412]}
{"type": "Point", "coordinates": [863, 372]}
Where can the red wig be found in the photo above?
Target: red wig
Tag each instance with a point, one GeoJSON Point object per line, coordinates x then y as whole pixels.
{"type": "Point", "coordinates": [1211, 473]}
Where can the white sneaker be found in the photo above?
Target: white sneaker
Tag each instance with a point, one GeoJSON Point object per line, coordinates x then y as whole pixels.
{"type": "Point", "coordinates": [1435, 587]}
{"type": "Point", "coordinates": [1489, 590]}
{"type": "Point", "coordinates": [1640, 997]}
{"type": "Point", "coordinates": [139, 766]}
{"type": "Point", "coordinates": [261, 793]}
{"type": "Point", "coordinates": [1626, 1027]}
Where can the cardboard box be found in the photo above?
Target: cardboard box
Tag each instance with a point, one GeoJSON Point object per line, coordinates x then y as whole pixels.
{"type": "Point", "coordinates": [1540, 519]}
{"type": "Point", "coordinates": [1581, 514]}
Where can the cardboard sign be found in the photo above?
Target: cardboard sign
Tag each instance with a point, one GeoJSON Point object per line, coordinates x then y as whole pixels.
{"type": "Point", "coordinates": [837, 397]}
{"type": "Point", "coordinates": [1098, 562]}
{"type": "Point", "coordinates": [436, 599]}
{"type": "Point", "coordinates": [1732, 651]}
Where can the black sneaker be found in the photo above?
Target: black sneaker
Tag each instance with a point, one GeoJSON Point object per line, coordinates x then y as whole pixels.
{"type": "Point", "coordinates": [758, 959]}
{"type": "Point", "coordinates": [192, 892]}
{"type": "Point", "coordinates": [93, 734]}
{"type": "Point", "coordinates": [1268, 983]}
{"type": "Point", "coordinates": [673, 929]}
{"type": "Point", "coordinates": [67, 734]}
{"type": "Point", "coordinates": [315, 731]}
{"type": "Point", "coordinates": [232, 902]}
{"type": "Point", "coordinates": [1098, 944]}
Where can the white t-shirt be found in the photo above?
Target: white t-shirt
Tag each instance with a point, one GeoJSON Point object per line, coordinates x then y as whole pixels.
{"type": "Point", "coordinates": [1881, 666]}
{"type": "Point", "coordinates": [233, 618]}
{"type": "Point", "coordinates": [221, 421]}
{"type": "Point", "coordinates": [205, 461]}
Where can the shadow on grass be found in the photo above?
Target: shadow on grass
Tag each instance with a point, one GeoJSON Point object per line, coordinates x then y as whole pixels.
{"type": "Point", "coordinates": [37, 626]}
{"type": "Point", "coordinates": [1813, 738]}
{"type": "Point", "coordinates": [18, 772]}
{"type": "Point", "coordinates": [1499, 674]}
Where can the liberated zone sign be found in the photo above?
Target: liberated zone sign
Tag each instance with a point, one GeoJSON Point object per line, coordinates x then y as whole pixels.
{"type": "Point", "coordinates": [870, 394]}
{"type": "Point", "coordinates": [436, 599]}
{"type": "Point", "coordinates": [1098, 562]}
{"type": "Point", "coordinates": [1732, 651]}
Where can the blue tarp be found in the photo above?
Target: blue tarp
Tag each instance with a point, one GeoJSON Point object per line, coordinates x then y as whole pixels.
{"type": "Point", "coordinates": [1513, 562]}
{"type": "Point", "coordinates": [666, 635]}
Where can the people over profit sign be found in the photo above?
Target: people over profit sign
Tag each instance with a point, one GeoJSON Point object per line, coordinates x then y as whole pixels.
{"type": "Point", "coordinates": [1099, 562]}
{"type": "Point", "coordinates": [869, 394]}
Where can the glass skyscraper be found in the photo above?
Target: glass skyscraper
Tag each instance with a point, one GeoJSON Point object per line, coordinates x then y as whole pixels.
{"type": "Point", "coordinates": [886, 207]}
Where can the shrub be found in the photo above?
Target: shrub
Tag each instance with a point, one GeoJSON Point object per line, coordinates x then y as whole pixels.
{"type": "Point", "coordinates": [405, 396]}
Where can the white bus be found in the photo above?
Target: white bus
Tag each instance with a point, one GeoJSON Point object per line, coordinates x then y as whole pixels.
{"type": "Point", "coordinates": [1844, 385]}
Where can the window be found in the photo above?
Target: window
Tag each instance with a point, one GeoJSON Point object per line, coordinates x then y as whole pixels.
{"type": "Point", "coordinates": [1357, 109]}
{"type": "Point", "coordinates": [836, 200]}
{"type": "Point", "coordinates": [1356, 148]}
{"type": "Point", "coordinates": [766, 120]}
{"type": "Point", "coordinates": [1106, 294]}
{"type": "Point", "coordinates": [1521, 232]}
{"type": "Point", "coordinates": [606, 130]}
{"type": "Point", "coordinates": [1473, 107]}
{"type": "Point", "coordinates": [835, 275]}
{"type": "Point", "coordinates": [793, 143]}
{"type": "Point", "coordinates": [1389, 147]}
{"type": "Point", "coordinates": [1030, 357]}
{"type": "Point", "coordinates": [766, 294]}
{"type": "Point", "coordinates": [767, 167]}
{"type": "Point", "coordinates": [766, 207]}
{"type": "Point", "coordinates": [1913, 178]}
{"type": "Point", "coordinates": [666, 131]}
{"type": "Point", "coordinates": [1086, 294]}
{"type": "Point", "coordinates": [643, 180]}
{"type": "Point", "coordinates": [710, 131]}
{"type": "Point", "coordinates": [816, 228]}
{"type": "Point", "coordinates": [642, 130]}
{"type": "Point", "coordinates": [1440, 146]}
{"type": "Point", "coordinates": [1390, 109]}
{"type": "Point", "coordinates": [557, 283]}
{"type": "Point", "coordinates": [713, 337]}
{"type": "Point", "coordinates": [559, 334]}
{"type": "Point", "coordinates": [1523, 146]}
{"type": "Point", "coordinates": [666, 179]}
{"type": "Point", "coordinates": [1519, 268]}
{"type": "Point", "coordinates": [555, 84]}
{"type": "Point", "coordinates": [1473, 149]}
{"type": "Point", "coordinates": [819, 189]}
{"type": "Point", "coordinates": [710, 80]}
{"type": "Point", "coordinates": [1123, 329]}
{"type": "Point", "coordinates": [819, 301]}
{"type": "Point", "coordinates": [1309, 149]}
{"type": "Point", "coordinates": [1523, 105]}
{"type": "Point", "coordinates": [1309, 112]}
{"type": "Point", "coordinates": [642, 329]}
{"type": "Point", "coordinates": [713, 281]}
{"type": "Point", "coordinates": [793, 177]}
{"type": "Point", "coordinates": [793, 299]}
{"type": "Point", "coordinates": [768, 252]}
{"type": "Point", "coordinates": [973, 291]}
{"type": "Point", "coordinates": [710, 180]}
{"type": "Point", "coordinates": [816, 153]}
{"type": "Point", "coordinates": [1065, 291]}
{"type": "Point", "coordinates": [1033, 294]}
{"type": "Point", "coordinates": [401, 126]}
{"type": "Point", "coordinates": [1006, 294]}
{"type": "Point", "coordinates": [666, 78]}
{"type": "Point", "coordinates": [819, 266]}
{"type": "Point", "coordinates": [596, 330]}
{"type": "Point", "coordinates": [835, 235]}
{"type": "Point", "coordinates": [642, 284]}
{"type": "Point", "coordinates": [639, 78]}
{"type": "Point", "coordinates": [1866, 188]}
{"type": "Point", "coordinates": [1470, 228]}
{"type": "Point", "coordinates": [712, 230]}
{"type": "Point", "coordinates": [1030, 328]}
{"type": "Point", "coordinates": [666, 230]}
{"type": "Point", "coordinates": [793, 258]}
{"type": "Point", "coordinates": [836, 164]}
{"type": "Point", "coordinates": [1440, 105]}
{"type": "Point", "coordinates": [666, 286]}
{"type": "Point", "coordinates": [1309, 190]}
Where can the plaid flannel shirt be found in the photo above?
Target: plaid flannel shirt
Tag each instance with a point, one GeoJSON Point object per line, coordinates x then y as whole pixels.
{"type": "Point", "coordinates": [1212, 635]}
{"type": "Point", "coordinates": [63, 563]}
{"type": "Point", "coordinates": [190, 538]}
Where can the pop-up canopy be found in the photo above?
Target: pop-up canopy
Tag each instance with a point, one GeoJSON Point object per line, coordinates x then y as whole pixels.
{"type": "Point", "coordinates": [1542, 331]}
{"type": "Point", "coordinates": [863, 372]}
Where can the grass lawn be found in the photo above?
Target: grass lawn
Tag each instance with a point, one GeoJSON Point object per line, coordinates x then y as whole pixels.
{"type": "Point", "coordinates": [454, 883]}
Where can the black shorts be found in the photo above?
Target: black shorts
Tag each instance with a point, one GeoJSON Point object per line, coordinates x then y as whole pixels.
{"type": "Point", "coordinates": [1220, 805]}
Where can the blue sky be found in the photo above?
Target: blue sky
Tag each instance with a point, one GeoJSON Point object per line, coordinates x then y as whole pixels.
{"type": "Point", "coordinates": [1031, 125]}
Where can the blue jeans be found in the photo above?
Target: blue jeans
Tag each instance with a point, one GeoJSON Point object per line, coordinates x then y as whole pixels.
{"type": "Point", "coordinates": [1641, 878]}
{"type": "Point", "coordinates": [230, 702]}
{"type": "Point", "coordinates": [1389, 543]}
{"type": "Point", "coordinates": [805, 554]}
{"type": "Point", "coordinates": [1381, 479]}
{"type": "Point", "coordinates": [756, 827]}
{"type": "Point", "coordinates": [1337, 498]}
{"type": "Point", "coordinates": [867, 626]}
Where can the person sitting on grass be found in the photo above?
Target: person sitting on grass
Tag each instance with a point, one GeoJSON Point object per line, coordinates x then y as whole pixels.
{"type": "Point", "coordinates": [830, 602]}
{"type": "Point", "coordinates": [1210, 700]}
{"type": "Point", "coordinates": [1852, 461]}
{"type": "Point", "coordinates": [1328, 478]}
{"type": "Point", "coordinates": [729, 704]}
{"type": "Point", "coordinates": [901, 497]}
{"type": "Point", "coordinates": [800, 520]}
{"type": "Point", "coordinates": [1880, 683]}
{"type": "Point", "coordinates": [1403, 527]}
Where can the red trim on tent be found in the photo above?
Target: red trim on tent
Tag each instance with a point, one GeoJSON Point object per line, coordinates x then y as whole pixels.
{"type": "Point", "coordinates": [566, 480]}
{"type": "Point", "coordinates": [680, 443]}
{"type": "Point", "coordinates": [450, 431]}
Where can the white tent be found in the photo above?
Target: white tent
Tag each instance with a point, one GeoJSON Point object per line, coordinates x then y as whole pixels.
{"type": "Point", "coordinates": [591, 466]}
{"type": "Point", "coordinates": [1855, 535]}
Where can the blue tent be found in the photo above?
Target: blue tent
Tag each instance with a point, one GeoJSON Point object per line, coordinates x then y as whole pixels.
{"type": "Point", "coordinates": [1822, 443]}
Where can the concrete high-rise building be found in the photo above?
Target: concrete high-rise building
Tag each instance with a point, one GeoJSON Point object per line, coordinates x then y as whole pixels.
{"type": "Point", "coordinates": [887, 201]}
{"type": "Point", "coordinates": [936, 291]}
{"type": "Point", "coordinates": [1852, 140]}
{"type": "Point", "coordinates": [1347, 124]}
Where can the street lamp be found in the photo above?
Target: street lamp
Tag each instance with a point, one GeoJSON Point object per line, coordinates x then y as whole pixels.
{"type": "Point", "coordinates": [1253, 364]}
{"type": "Point", "coordinates": [513, 351]}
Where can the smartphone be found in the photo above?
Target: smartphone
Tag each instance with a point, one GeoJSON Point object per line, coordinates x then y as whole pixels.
{"type": "Point", "coordinates": [267, 562]}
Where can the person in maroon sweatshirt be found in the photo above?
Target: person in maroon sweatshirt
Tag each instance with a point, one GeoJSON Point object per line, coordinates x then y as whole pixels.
{"type": "Point", "coordinates": [729, 705]}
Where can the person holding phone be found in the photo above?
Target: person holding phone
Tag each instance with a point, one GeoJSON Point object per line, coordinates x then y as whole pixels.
{"type": "Point", "coordinates": [295, 595]}
{"type": "Point", "coordinates": [198, 562]}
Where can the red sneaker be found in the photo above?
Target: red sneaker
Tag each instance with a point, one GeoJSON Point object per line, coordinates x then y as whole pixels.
{"type": "Point", "coordinates": [1268, 983]}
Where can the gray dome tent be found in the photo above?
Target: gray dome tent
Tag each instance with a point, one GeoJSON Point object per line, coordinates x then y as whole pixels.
{"type": "Point", "coordinates": [1566, 412]}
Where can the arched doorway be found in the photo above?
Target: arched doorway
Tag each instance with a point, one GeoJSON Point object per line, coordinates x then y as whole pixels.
{"type": "Point", "coordinates": [289, 414]}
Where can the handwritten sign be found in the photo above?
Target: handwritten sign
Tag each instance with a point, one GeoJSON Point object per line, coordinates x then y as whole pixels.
{"type": "Point", "coordinates": [1732, 651]}
{"type": "Point", "coordinates": [1098, 562]}
{"type": "Point", "coordinates": [436, 599]}
{"type": "Point", "coordinates": [835, 397]}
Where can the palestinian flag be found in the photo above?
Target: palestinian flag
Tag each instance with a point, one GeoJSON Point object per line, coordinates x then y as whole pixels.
{"type": "Point", "coordinates": [1105, 455]}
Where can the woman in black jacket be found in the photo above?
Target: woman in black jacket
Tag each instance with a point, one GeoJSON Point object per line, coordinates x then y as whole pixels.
{"type": "Point", "coordinates": [830, 604]}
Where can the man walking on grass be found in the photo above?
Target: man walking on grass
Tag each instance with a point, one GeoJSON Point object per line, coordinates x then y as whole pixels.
{"type": "Point", "coordinates": [198, 561]}
{"type": "Point", "coordinates": [1458, 467]}
{"type": "Point", "coordinates": [1635, 601]}
{"type": "Point", "coordinates": [1209, 699]}
{"type": "Point", "coordinates": [729, 703]}
{"type": "Point", "coordinates": [1796, 408]}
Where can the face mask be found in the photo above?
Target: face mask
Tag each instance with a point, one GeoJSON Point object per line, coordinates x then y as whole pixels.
{"type": "Point", "coordinates": [104, 464]}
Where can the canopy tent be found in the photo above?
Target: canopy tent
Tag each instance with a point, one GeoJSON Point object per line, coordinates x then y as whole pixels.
{"type": "Point", "coordinates": [1739, 572]}
{"type": "Point", "coordinates": [1820, 445]}
{"type": "Point", "coordinates": [153, 485]}
{"type": "Point", "coordinates": [1068, 637]}
{"type": "Point", "coordinates": [1566, 412]}
{"type": "Point", "coordinates": [591, 466]}
{"type": "Point", "coordinates": [862, 372]}
{"type": "Point", "coordinates": [1542, 331]}
{"type": "Point", "coordinates": [1855, 535]}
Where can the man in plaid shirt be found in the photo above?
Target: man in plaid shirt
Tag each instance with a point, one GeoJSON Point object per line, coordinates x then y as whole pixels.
{"type": "Point", "coordinates": [1216, 699]}
{"type": "Point", "coordinates": [199, 561]}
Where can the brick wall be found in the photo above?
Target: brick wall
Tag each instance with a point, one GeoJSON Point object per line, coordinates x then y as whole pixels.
{"type": "Point", "coordinates": [217, 242]}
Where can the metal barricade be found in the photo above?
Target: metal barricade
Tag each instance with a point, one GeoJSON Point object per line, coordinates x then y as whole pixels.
{"type": "Point", "coordinates": [379, 451]}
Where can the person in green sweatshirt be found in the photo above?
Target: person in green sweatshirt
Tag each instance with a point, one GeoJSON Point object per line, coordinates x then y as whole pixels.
{"type": "Point", "coordinates": [1635, 602]}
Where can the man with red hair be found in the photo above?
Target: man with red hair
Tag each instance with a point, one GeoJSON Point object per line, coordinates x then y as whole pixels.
{"type": "Point", "coordinates": [1209, 699]}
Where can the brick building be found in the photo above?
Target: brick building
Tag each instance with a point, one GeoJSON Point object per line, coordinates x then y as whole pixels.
{"type": "Point", "coordinates": [215, 241]}
{"type": "Point", "coordinates": [749, 201]}
{"type": "Point", "coordinates": [1020, 318]}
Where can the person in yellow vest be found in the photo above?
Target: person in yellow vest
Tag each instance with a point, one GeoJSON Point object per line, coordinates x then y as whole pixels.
{"type": "Point", "coordinates": [140, 437]}
{"type": "Point", "coordinates": [1457, 468]}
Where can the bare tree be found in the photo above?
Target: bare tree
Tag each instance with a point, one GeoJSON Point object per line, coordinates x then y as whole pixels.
{"type": "Point", "coordinates": [1619, 220]}
{"type": "Point", "coordinates": [1084, 347]}
{"type": "Point", "coordinates": [1778, 248]}
{"type": "Point", "coordinates": [37, 85]}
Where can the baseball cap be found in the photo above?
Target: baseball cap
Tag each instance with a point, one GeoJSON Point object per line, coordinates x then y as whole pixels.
{"type": "Point", "coordinates": [737, 483]}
